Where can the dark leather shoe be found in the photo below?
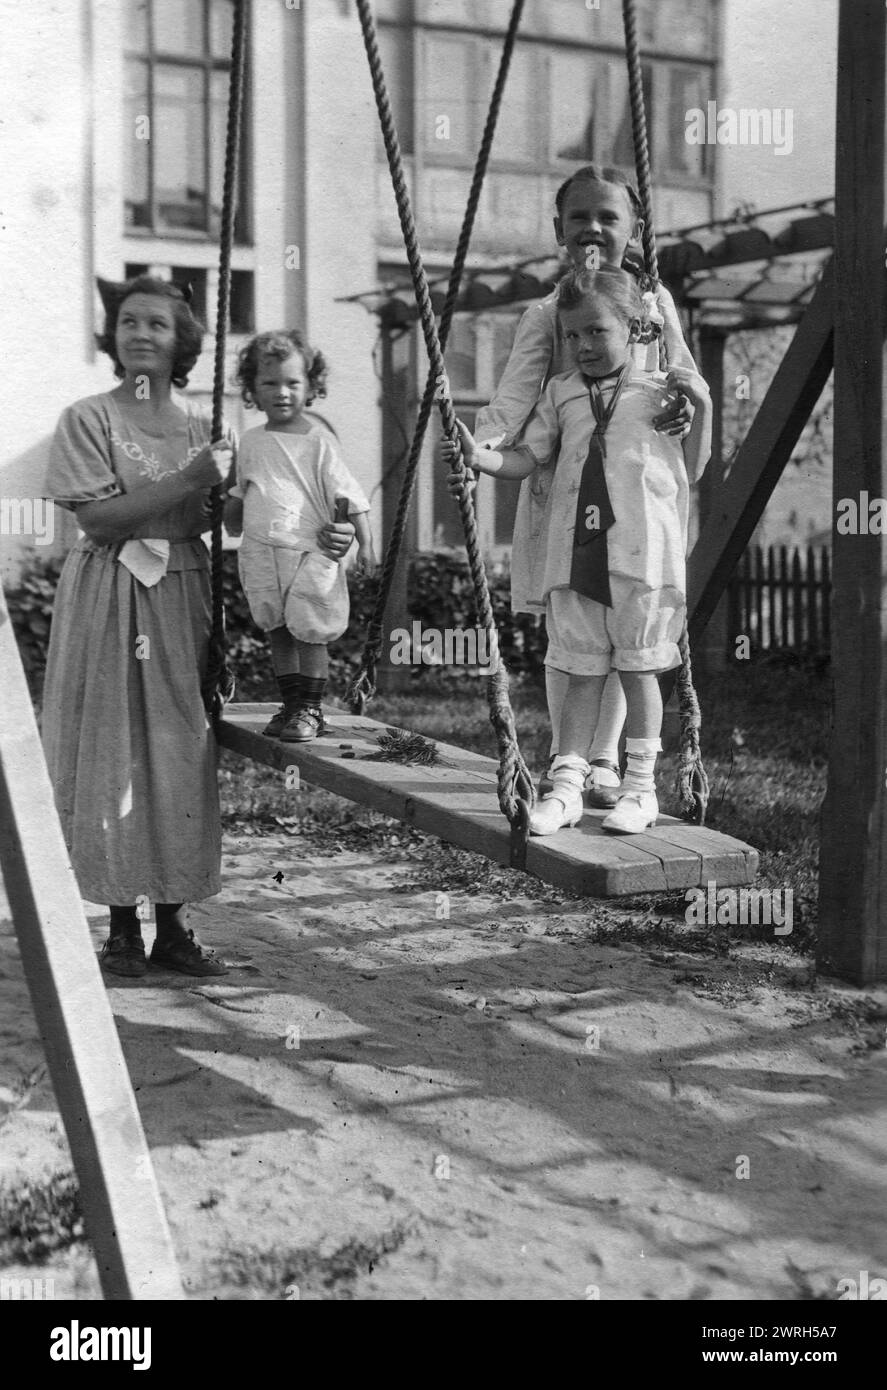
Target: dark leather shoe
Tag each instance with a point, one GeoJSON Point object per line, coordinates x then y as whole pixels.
{"type": "Point", "coordinates": [184, 953]}
{"type": "Point", "coordinates": [303, 725]}
{"type": "Point", "coordinates": [276, 725]}
{"type": "Point", "coordinates": [124, 955]}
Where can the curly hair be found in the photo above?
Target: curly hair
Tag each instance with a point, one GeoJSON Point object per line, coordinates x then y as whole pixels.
{"type": "Point", "coordinates": [189, 331]}
{"type": "Point", "coordinates": [598, 173]}
{"type": "Point", "coordinates": [618, 287]}
{"type": "Point", "coordinates": [280, 345]}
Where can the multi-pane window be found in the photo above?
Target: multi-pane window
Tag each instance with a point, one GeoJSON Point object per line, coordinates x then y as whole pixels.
{"type": "Point", "coordinates": [178, 59]}
{"type": "Point", "coordinates": [562, 105]}
{"type": "Point", "coordinates": [574, 99]}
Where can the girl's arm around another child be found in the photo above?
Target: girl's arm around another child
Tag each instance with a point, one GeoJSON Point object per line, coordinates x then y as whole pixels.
{"type": "Point", "coordinates": [697, 442]}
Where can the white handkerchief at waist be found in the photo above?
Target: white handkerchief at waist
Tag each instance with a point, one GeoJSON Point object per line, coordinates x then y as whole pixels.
{"type": "Point", "coordinates": [147, 560]}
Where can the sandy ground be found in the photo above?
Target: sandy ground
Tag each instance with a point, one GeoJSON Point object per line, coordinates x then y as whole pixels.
{"type": "Point", "coordinates": [451, 1125]}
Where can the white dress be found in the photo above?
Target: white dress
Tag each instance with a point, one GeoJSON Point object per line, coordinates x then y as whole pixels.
{"type": "Point", "coordinates": [290, 484]}
{"type": "Point", "coordinates": [646, 479]}
{"type": "Point", "coordinates": [538, 354]}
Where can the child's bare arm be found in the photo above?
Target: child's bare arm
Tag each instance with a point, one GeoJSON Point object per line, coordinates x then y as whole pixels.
{"type": "Point", "coordinates": [505, 463]}
{"type": "Point", "coordinates": [366, 555]}
{"type": "Point", "coordinates": [697, 442]}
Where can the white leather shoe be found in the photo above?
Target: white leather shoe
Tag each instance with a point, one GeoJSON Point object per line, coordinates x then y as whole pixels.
{"type": "Point", "coordinates": [560, 807]}
{"type": "Point", "coordinates": [634, 812]}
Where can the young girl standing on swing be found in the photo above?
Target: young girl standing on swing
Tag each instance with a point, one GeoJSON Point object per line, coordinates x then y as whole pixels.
{"type": "Point", "coordinates": [609, 565]}
{"type": "Point", "coordinates": [598, 221]}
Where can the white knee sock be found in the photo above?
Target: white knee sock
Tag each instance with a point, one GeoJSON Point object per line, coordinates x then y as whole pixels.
{"type": "Point", "coordinates": [605, 744]}
{"type": "Point", "coordinates": [568, 773]}
{"type": "Point", "coordinates": [640, 776]}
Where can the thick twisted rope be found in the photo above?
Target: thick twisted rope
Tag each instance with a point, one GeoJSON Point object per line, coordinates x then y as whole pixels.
{"type": "Point", "coordinates": [691, 781]}
{"type": "Point", "coordinates": [514, 781]}
{"type": "Point", "coordinates": [218, 687]}
{"type": "Point", "coordinates": [363, 686]}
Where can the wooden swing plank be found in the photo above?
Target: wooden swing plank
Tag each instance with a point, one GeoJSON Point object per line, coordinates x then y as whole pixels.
{"type": "Point", "coordinates": [121, 1203]}
{"type": "Point", "coordinates": [456, 800]}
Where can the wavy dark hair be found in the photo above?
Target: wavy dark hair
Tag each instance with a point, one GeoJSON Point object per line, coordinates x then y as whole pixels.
{"type": "Point", "coordinates": [189, 331]}
{"type": "Point", "coordinates": [601, 173]}
{"type": "Point", "coordinates": [618, 287]}
{"type": "Point", "coordinates": [281, 345]}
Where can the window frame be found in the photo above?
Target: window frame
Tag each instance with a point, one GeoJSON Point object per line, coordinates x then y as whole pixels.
{"type": "Point", "coordinates": [432, 154]}
{"type": "Point", "coordinates": [208, 64]}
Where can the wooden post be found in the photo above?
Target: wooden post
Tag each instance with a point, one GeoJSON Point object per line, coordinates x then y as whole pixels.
{"type": "Point", "coordinates": [124, 1216]}
{"type": "Point", "coordinates": [398, 421]}
{"type": "Point", "coordinates": [711, 652]}
{"type": "Point", "coordinates": [853, 856]}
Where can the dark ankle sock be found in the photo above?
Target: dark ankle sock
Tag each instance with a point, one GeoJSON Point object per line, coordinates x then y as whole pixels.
{"type": "Point", "coordinates": [314, 688]}
{"type": "Point", "coordinates": [291, 692]}
{"type": "Point", "coordinates": [124, 921]}
{"type": "Point", "coordinates": [170, 919]}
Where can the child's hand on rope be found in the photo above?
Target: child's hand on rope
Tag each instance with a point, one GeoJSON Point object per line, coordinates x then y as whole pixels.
{"type": "Point", "coordinates": [449, 450]}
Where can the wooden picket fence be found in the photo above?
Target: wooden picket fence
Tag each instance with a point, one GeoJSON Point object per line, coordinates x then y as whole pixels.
{"type": "Point", "coordinates": [781, 601]}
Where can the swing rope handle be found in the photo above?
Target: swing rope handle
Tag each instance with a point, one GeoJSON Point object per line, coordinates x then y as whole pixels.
{"type": "Point", "coordinates": [691, 784]}
{"type": "Point", "coordinates": [218, 686]}
{"type": "Point", "coordinates": [514, 781]}
{"type": "Point", "coordinates": [363, 686]}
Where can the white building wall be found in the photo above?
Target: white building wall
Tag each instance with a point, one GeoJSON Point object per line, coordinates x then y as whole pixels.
{"type": "Point", "coordinates": [54, 217]}
{"type": "Point", "coordinates": [340, 244]}
{"type": "Point", "coordinates": [62, 149]}
{"type": "Point", "coordinates": [779, 54]}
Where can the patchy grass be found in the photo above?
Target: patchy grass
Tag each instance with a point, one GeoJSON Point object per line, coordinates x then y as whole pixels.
{"type": "Point", "coordinates": [290, 1274]}
{"type": "Point", "coordinates": [39, 1218]}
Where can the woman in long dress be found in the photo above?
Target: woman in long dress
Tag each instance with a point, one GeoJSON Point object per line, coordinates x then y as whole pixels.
{"type": "Point", "coordinates": [128, 744]}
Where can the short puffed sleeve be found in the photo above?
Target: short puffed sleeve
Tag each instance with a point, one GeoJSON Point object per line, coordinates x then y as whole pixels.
{"type": "Point", "coordinates": [80, 462]}
{"type": "Point", "coordinates": [541, 434]}
{"type": "Point", "coordinates": [339, 481]}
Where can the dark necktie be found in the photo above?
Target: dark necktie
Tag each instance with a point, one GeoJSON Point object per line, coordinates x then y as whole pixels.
{"type": "Point", "coordinates": [589, 572]}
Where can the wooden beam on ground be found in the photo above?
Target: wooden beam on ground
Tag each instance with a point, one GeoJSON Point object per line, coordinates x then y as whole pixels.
{"type": "Point", "coordinates": [457, 801]}
{"type": "Point", "coordinates": [852, 940]}
{"type": "Point", "coordinates": [121, 1203]}
{"type": "Point", "coordinates": [737, 506]}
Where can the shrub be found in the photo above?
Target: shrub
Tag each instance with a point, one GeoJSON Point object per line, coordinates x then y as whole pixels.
{"type": "Point", "coordinates": [441, 596]}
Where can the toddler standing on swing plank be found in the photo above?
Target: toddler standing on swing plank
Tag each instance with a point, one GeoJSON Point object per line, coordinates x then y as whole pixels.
{"type": "Point", "coordinates": [609, 565]}
{"type": "Point", "coordinates": [291, 483]}
{"type": "Point", "coordinates": [598, 218]}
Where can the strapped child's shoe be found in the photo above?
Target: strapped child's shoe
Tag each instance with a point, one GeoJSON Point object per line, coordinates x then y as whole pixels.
{"type": "Point", "coordinates": [303, 725]}
{"type": "Point", "coordinates": [602, 785]}
{"type": "Point", "coordinates": [634, 812]}
{"type": "Point", "coordinates": [276, 725]}
{"type": "Point", "coordinates": [563, 804]}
